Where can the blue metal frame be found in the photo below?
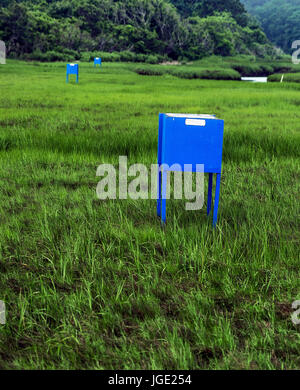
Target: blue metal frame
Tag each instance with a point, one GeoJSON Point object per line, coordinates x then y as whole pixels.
{"type": "Point", "coordinates": [190, 139]}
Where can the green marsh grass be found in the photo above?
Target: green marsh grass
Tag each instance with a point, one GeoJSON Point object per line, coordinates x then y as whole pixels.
{"type": "Point", "coordinates": [287, 78]}
{"type": "Point", "coordinates": [187, 72]}
{"type": "Point", "coordinates": [92, 284]}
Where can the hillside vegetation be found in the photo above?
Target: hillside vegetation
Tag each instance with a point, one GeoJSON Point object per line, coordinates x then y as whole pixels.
{"type": "Point", "coordinates": [59, 29]}
{"type": "Point", "coordinates": [279, 19]}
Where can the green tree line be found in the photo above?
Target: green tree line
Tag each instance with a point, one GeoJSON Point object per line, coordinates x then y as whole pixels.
{"type": "Point", "coordinates": [280, 20]}
{"type": "Point", "coordinates": [52, 29]}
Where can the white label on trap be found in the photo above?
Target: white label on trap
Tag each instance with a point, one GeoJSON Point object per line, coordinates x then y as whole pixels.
{"type": "Point", "coordinates": [195, 122]}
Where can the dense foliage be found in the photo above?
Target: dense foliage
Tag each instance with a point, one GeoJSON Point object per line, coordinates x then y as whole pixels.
{"type": "Point", "coordinates": [144, 29]}
{"type": "Point", "coordinates": [205, 8]}
{"type": "Point", "coordinates": [279, 19]}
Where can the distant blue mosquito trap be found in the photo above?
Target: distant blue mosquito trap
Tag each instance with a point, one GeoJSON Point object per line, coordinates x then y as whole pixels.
{"type": "Point", "coordinates": [97, 61]}
{"type": "Point", "coordinates": [73, 69]}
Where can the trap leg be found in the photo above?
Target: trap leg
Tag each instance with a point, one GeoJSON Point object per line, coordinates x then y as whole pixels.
{"type": "Point", "coordinates": [217, 196]}
{"type": "Point", "coordinates": [159, 193]}
{"type": "Point", "coordinates": [209, 196]}
{"type": "Point", "coordinates": [164, 196]}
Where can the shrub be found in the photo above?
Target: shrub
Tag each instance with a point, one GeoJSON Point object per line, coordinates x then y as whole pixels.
{"type": "Point", "coordinates": [152, 59]}
{"type": "Point", "coordinates": [222, 74]}
{"type": "Point", "coordinates": [127, 56]}
{"type": "Point", "coordinates": [249, 69]}
{"type": "Point", "coordinates": [269, 69]}
{"type": "Point", "coordinates": [56, 56]}
{"type": "Point", "coordinates": [70, 55]}
{"type": "Point", "coordinates": [209, 74]}
{"type": "Point", "coordinates": [109, 57]}
{"type": "Point", "coordinates": [186, 73]}
{"type": "Point", "coordinates": [106, 57]}
{"type": "Point", "coordinates": [282, 68]}
{"type": "Point", "coordinates": [52, 56]}
{"type": "Point", "coordinates": [140, 57]}
{"type": "Point", "coordinates": [288, 78]}
{"type": "Point", "coordinates": [145, 71]}
{"type": "Point", "coordinates": [37, 55]}
{"type": "Point", "coordinates": [85, 57]}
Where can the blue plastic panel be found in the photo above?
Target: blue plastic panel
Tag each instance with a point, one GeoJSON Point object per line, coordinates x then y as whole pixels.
{"type": "Point", "coordinates": [97, 60]}
{"type": "Point", "coordinates": [191, 139]}
{"type": "Point", "coordinates": [72, 69]}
